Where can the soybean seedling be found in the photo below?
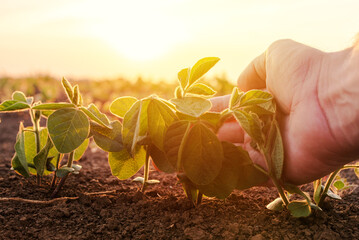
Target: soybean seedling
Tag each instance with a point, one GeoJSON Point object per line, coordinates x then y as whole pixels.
{"type": "Point", "coordinates": [179, 136]}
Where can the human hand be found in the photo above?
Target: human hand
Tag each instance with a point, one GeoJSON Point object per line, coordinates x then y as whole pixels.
{"type": "Point", "coordinates": [318, 120]}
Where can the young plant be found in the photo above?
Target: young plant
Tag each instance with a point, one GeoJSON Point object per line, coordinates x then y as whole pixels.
{"type": "Point", "coordinates": [34, 152]}
{"type": "Point", "coordinates": [333, 185]}
{"type": "Point", "coordinates": [255, 112]}
{"type": "Point", "coordinates": [180, 137]}
{"type": "Point", "coordinates": [40, 149]}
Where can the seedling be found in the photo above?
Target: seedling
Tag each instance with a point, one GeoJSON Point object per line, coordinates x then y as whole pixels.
{"type": "Point", "coordinates": [39, 150]}
{"type": "Point", "coordinates": [177, 135]}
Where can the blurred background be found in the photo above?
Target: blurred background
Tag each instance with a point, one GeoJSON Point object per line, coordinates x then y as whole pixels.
{"type": "Point", "coordinates": [137, 47]}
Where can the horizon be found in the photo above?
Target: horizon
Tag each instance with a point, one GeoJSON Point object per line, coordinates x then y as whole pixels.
{"type": "Point", "coordinates": [154, 40]}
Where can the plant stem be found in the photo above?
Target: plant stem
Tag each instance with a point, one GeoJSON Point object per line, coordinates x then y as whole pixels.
{"type": "Point", "coordinates": [146, 171]}
{"type": "Point", "coordinates": [62, 181]}
{"type": "Point", "coordinates": [59, 186]}
{"type": "Point", "coordinates": [71, 159]}
{"type": "Point", "coordinates": [36, 126]}
{"type": "Point", "coordinates": [57, 167]}
{"type": "Point", "coordinates": [282, 194]}
{"type": "Point", "coordinates": [327, 186]}
{"type": "Point", "coordinates": [199, 198]}
{"type": "Point", "coordinates": [275, 181]}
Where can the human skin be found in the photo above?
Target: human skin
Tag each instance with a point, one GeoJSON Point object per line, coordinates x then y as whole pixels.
{"type": "Point", "coordinates": [317, 96]}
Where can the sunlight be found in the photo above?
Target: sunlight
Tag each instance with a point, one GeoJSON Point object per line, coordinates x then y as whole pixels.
{"type": "Point", "coordinates": [146, 35]}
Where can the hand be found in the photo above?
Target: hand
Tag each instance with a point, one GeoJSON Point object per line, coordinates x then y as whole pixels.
{"type": "Point", "coordinates": [318, 120]}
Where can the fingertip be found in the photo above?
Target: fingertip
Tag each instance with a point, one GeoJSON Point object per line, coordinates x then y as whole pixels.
{"type": "Point", "coordinates": [254, 75]}
{"type": "Point", "coordinates": [220, 103]}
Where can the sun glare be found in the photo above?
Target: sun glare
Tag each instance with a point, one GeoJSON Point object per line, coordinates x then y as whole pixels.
{"type": "Point", "coordinates": [146, 35]}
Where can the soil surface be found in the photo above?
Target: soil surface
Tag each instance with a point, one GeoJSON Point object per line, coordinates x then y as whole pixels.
{"type": "Point", "coordinates": [96, 205]}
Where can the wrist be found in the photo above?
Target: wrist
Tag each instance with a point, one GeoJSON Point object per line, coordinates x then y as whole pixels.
{"type": "Point", "coordinates": [338, 93]}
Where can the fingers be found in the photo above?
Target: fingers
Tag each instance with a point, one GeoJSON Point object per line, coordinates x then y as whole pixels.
{"type": "Point", "coordinates": [220, 103]}
{"type": "Point", "coordinates": [254, 75]}
{"type": "Point", "coordinates": [231, 132]}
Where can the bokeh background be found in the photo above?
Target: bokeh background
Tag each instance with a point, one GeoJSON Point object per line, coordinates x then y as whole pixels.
{"type": "Point", "coordinates": [140, 45]}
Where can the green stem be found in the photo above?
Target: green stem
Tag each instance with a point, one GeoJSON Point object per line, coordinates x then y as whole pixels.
{"type": "Point", "coordinates": [57, 167]}
{"type": "Point", "coordinates": [146, 171]}
{"type": "Point", "coordinates": [36, 127]}
{"type": "Point", "coordinates": [327, 186]}
{"type": "Point", "coordinates": [282, 194]}
{"type": "Point", "coordinates": [62, 181]}
{"type": "Point", "coordinates": [275, 181]}
{"type": "Point", "coordinates": [71, 159]}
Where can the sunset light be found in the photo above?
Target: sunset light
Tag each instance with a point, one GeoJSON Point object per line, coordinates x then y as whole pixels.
{"type": "Point", "coordinates": [107, 39]}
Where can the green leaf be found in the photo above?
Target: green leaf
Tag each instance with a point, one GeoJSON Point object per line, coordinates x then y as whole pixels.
{"type": "Point", "coordinates": [183, 76]}
{"type": "Point", "coordinates": [235, 98]}
{"type": "Point", "coordinates": [123, 166]}
{"type": "Point", "coordinates": [174, 139]}
{"type": "Point", "coordinates": [333, 195]}
{"type": "Point", "coordinates": [299, 209]}
{"type": "Point", "coordinates": [277, 152]}
{"type": "Point", "coordinates": [107, 139]}
{"type": "Point", "coordinates": [18, 167]}
{"type": "Point", "coordinates": [19, 96]}
{"type": "Point", "coordinates": [30, 148]}
{"type": "Point", "coordinates": [293, 189]}
{"type": "Point", "coordinates": [251, 124]}
{"type": "Point", "coordinates": [254, 97]}
{"type": "Point", "coordinates": [212, 118]}
{"type": "Point", "coordinates": [201, 89]}
{"type": "Point", "coordinates": [135, 125]}
{"type": "Point", "coordinates": [77, 95]}
{"type": "Point", "coordinates": [13, 105]}
{"type": "Point", "coordinates": [68, 129]}
{"type": "Point", "coordinates": [64, 171]}
{"type": "Point", "coordinates": [81, 150]}
{"type": "Point", "coordinates": [339, 184]}
{"type": "Point", "coordinates": [20, 152]}
{"type": "Point", "coordinates": [46, 113]}
{"type": "Point", "coordinates": [40, 160]}
{"type": "Point", "coordinates": [193, 106]}
{"type": "Point", "coordinates": [121, 105]}
{"type": "Point", "coordinates": [200, 68]}
{"type": "Point", "coordinates": [229, 175]}
{"type": "Point", "coordinates": [276, 205]}
{"type": "Point", "coordinates": [267, 108]}
{"type": "Point", "coordinates": [53, 106]}
{"type": "Point", "coordinates": [160, 116]}
{"type": "Point", "coordinates": [94, 114]}
{"type": "Point", "coordinates": [248, 175]}
{"type": "Point", "coordinates": [317, 185]}
{"type": "Point", "coordinates": [202, 155]}
{"type": "Point", "coordinates": [160, 160]}
{"type": "Point", "coordinates": [68, 88]}
{"type": "Point", "coordinates": [178, 92]}
{"type": "Point", "coordinates": [189, 188]}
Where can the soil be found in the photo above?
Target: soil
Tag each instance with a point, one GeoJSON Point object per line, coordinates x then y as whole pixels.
{"type": "Point", "coordinates": [96, 205]}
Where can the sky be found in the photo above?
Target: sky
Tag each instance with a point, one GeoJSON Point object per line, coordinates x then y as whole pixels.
{"type": "Point", "coordinates": [155, 39]}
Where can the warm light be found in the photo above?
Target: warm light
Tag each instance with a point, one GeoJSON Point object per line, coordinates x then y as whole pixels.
{"type": "Point", "coordinates": [140, 30]}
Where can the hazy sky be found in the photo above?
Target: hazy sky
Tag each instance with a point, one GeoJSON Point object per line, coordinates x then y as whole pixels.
{"type": "Point", "coordinates": [157, 38]}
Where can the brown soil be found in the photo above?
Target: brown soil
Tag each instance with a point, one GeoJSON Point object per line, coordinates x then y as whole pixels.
{"type": "Point", "coordinates": [117, 210]}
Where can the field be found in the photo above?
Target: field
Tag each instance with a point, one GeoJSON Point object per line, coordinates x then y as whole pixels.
{"type": "Point", "coordinates": [96, 205]}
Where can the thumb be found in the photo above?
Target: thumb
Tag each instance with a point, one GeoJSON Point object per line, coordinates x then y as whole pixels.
{"type": "Point", "coordinates": [254, 75]}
